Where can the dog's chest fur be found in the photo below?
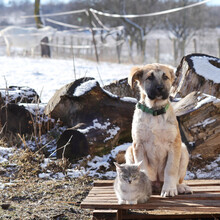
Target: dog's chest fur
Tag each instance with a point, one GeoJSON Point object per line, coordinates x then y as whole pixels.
{"type": "Point", "coordinates": [155, 133]}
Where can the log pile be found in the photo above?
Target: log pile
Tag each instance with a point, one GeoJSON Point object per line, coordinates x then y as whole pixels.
{"type": "Point", "coordinates": [199, 111]}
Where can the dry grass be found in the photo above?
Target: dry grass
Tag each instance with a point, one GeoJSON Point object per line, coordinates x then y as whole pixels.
{"type": "Point", "coordinates": [29, 197]}
{"type": "Point", "coordinates": [45, 199]}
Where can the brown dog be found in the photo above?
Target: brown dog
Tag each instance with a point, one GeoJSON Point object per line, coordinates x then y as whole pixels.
{"type": "Point", "coordinates": [155, 132]}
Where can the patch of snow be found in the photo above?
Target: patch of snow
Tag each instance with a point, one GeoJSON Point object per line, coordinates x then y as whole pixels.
{"type": "Point", "coordinates": [211, 171]}
{"type": "Point", "coordinates": [34, 109]}
{"type": "Point", "coordinates": [96, 124]}
{"type": "Point", "coordinates": [110, 94]}
{"type": "Point", "coordinates": [44, 175]}
{"type": "Point", "coordinates": [122, 147]}
{"type": "Point", "coordinates": [4, 185]}
{"type": "Point", "coordinates": [204, 68]}
{"type": "Point", "coordinates": [97, 162]}
{"type": "Point", "coordinates": [45, 163]}
{"type": "Point", "coordinates": [112, 133]}
{"type": "Point", "coordinates": [129, 99]}
{"type": "Point", "coordinates": [84, 87]}
{"type": "Point", "coordinates": [14, 92]}
{"type": "Point", "coordinates": [75, 172]}
{"type": "Point", "coordinates": [5, 153]}
{"type": "Point", "coordinates": [204, 123]}
{"type": "Point", "coordinates": [205, 98]}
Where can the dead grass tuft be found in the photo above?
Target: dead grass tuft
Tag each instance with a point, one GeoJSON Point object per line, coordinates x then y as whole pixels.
{"type": "Point", "coordinates": [28, 163]}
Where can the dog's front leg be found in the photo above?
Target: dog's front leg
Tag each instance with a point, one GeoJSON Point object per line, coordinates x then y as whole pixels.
{"type": "Point", "coordinates": [139, 155]}
{"type": "Point", "coordinates": [171, 172]}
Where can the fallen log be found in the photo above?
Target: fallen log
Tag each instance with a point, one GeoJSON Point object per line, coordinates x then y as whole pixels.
{"type": "Point", "coordinates": [105, 119]}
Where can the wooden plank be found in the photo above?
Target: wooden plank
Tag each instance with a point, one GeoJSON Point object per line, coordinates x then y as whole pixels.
{"type": "Point", "coordinates": [189, 182]}
{"type": "Point", "coordinates": [105, 214]}
{"type": "Point", "coordinates": [213, 196]}
{"type": "Point", "coordinates": [204, 203]}
{"type": "Point", "coordinates": [169, 215]}
{"type": "Point", "coordinates": [161, 202]}
{"type": "Point", "coordinates": [109, 189]}
{"type": "Point", "coordinates": [200, 182]}
{"type": "Point", "coordinates": [189, 208]}
{"type": "Point", "coordinates": [103, 182]}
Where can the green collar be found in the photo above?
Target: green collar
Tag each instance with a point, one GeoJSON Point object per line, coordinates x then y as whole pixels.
{"type": "Point", "coordinates": [151, 111]}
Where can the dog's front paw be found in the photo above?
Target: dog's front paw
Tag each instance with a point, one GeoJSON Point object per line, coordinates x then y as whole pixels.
{"type": "Point", "coordinates": [183, 188]}
{"type": "Point", "coordinates": [169, 191]}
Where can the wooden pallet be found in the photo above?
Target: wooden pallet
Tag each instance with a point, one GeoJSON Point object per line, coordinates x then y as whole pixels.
{"type": "Point", "coordinates": [203, 203]}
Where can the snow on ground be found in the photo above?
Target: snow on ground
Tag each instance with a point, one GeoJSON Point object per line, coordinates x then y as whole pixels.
{"type": "Point", "coordinates": [48, 75]}
{"type": "Point", "coordinates": [96, 167]}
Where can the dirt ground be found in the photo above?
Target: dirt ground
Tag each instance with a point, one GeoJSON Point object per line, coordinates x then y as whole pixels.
{"type": "Point", "coordinates": [36, 198]}
{"type": "Point", "coordinates": [26, 196]}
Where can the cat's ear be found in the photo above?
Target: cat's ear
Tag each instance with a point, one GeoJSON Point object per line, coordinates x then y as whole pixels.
{"type": "Point", "coordinates": [117, 165]}
{"type": "Point", "coordinates": [139, 164]}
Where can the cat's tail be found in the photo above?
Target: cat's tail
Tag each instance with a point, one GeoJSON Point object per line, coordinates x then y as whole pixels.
{"type": "Point", "coordinates": [129, 157]}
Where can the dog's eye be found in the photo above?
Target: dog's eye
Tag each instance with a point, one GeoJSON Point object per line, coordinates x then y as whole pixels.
{"type": "Point", "coordinates": [165, 77]}
{"type": "Point", "coordinates": [151, 77]}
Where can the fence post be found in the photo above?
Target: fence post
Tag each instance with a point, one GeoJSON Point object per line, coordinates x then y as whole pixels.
{"type": "Point", "coordinates": [157, 53]}
{"type": "Point", "coordinates": [195, 45]}
{"type": "Point", "coordinates": [64, 43]}
{"type": "Point", "coordinates": [219, 47]}
{"type": "Point", "coordinates": [174, 52]}
{"type": "Point", "coordinates": [71, 43]}
{"type": "Point", "coordinates": [57, 48]}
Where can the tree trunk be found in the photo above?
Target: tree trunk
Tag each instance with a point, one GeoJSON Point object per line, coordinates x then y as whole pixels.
{"type": "Point", "coordinates": [191, 77]}
{"type": "Point", "coordinates": [45, 49]}
{"type": "Point", "coordinates": [199, 120]}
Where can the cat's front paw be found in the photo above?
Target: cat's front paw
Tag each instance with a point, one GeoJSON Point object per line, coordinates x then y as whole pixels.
{"type": "Point", "coordinates": [132, 202]}
{"type": "Point", "coordinates": [120, 202]}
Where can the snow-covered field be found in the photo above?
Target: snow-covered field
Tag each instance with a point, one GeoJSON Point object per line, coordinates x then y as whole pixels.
{"type": "Point", "coordinates": [48, 75]}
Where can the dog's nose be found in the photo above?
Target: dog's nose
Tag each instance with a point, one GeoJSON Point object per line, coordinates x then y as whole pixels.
{"type": "Point", "coordinates": [159, 88]}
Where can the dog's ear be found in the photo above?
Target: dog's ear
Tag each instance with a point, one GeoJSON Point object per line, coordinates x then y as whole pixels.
{"type": "Point", "coordinates": [170, 70]}
{"type": "Point", "coordinates": [117, 165]}
{"type": "Point", "coordinates": [135, 74]}
{"type": "Point", "coordinates": [172, 73]}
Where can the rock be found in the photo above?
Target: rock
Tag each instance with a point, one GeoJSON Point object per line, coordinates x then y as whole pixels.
{"type": "Point", "coordinates": [197, 72]}
{"type": "Point", "coordinates": [19, 94]}
{"type": "Point", "coordinates": [72, 144]}
{"type": "Point", "coordinates": [106, 118]}
{"type": "Point", "coordinates": [199, 122]}
{"type": "Point", "coordinates": [121, 88]}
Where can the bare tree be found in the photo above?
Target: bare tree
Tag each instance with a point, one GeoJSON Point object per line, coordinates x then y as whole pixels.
{"type": "Point", "coordinates": [183, 24]}
{"type": "Point", "coordinates": [138, 28]}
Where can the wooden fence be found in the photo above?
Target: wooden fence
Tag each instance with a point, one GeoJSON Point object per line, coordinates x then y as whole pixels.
{"type": "Point", "coordinates": [158, 49]}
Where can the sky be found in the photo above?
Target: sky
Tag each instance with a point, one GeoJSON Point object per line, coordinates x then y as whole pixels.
{"type": "Point", "coordinates": [212, 2]}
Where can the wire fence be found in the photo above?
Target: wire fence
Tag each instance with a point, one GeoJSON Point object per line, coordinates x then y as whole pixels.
{"type": "Point", "coordinates": [66, 44]}
{"type": "Point", "coordinates": [159, 46]}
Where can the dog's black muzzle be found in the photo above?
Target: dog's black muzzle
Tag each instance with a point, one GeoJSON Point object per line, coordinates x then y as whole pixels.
{"type": "Point", "coordinates": [158, 91]}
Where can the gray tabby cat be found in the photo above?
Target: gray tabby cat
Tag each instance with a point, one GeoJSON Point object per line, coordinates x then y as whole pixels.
{"type": "Point", "coordinates": [131, 185]}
